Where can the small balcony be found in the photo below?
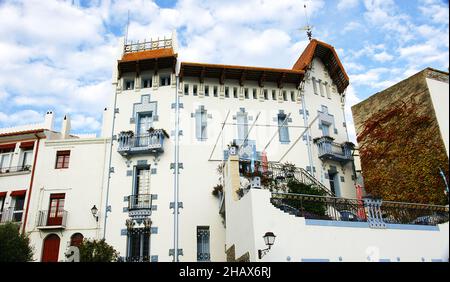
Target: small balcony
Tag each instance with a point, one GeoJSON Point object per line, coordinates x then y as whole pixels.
{"type": "Point", "coordinates": [15, 170]}
{"type": "Point", "coordinates": [10, 215]}
{"type": "Point", "coordinates": [330, 150]}
{"type": "Point", "coordinates": [140, 202]}
{"type": "Point", "coordinates": [52, 220]}
{"type": "Point", "coordinates": [151, 143]}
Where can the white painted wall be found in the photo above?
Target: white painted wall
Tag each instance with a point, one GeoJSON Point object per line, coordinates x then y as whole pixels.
{"type": "Point", "coordinates": [439, 93]}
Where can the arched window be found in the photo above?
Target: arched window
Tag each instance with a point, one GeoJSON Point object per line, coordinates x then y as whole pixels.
{"type": "Point", "coordinates": [76, 239]}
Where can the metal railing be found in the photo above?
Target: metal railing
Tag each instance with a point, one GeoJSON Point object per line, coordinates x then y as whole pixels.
{"type": "Point", "coordinates": [137, 202]}
{"type": "Point", "coordinates": [11, 169]}
{"type": "Point", "coordinates": [152, 142]}
{"type": "Point", "coordinates": [137, 259]}
{"type": "Point", "coordinates": [54, 219]}
{"type": "Point", "coordinates": [376, 212]}
{"type": "Point", "coordinates": [148, 45]}
{"type": "Point", "coordinates": [11, 215]}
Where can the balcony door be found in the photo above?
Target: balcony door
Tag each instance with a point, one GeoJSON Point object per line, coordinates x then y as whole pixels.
{"type": "Point", "coordinates": [334, 183]}
{"type": "Point", "coordinates": [56, 209]}
{"type": "Point", "coordinates": [143, 187]}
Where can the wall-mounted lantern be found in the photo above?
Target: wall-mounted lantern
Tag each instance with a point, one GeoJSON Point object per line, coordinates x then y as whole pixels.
{"type": "Point", "coordinates": [269, 239]}
{"type": "Point", "coordinates": [94, 212]}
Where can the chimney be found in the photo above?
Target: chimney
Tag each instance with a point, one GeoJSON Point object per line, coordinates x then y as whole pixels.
{"type": "Point", "coordinates": [65, 129]}
{"type": "Point", "coordinates": [49, 119]}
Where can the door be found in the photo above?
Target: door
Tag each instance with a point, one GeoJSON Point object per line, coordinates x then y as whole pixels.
{"type": "Point", "coordinates": [56, 209]}
{"type": "Point", "coordinates": [334, 183]}
{"type": "Point", "coordinates": [51, 248]}
{"type": "Point", "coordinates": [144, 124]}
{"type": "Point", "coordinates": [143, 187]}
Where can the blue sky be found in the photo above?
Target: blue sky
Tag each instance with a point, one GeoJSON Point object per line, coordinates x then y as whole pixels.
{"type": "Point", "coordinates": [59, 55]}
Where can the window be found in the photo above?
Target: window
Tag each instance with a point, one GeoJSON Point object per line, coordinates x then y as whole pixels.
{"type": "Point", "coordinates": [5, 159]}
{"type": "Point", "coordinates": [203, 253]}
{"type": "Point", "coordinates": [146, 83]}
{"type": "Point", "coordinates": [325, 128]}
{"type": "Point", "coordinates": [322, 93]}
{"type": "Point", "coordinates": [56, 209]}
{"type": "Point", "coordinates": [284, 95]}
{"type": "Point", "coordinates": [215, 91]}
{"type": "Point", "coordinates": [266, 95]}
{"type": "Point", "coordinates": [19, 202]}
{"type": "Point", "coordinates": [129, 84]}
{"type": "Point", "coordinates": [138, 244]}
{"type": "Point", "coordinates": [242, 124]}
{"type": "Point", "coordinates": [2, 202]}
{"type": "Point", "coordinates": [145, 121]}
{"type": "Point", "coordinates": [235, 92]}
{"type": "Point", "coordinates": [274, 94]}
{"type": "Point", "coordinates": [62, 159]}
{"type": "Point", "coordinates": [292, 96]}
{"type": "Point", "coordinates": [200, 124]}
{"type": "Point", "coordinates": [315, 86]}
{"type": "Point", "coordinates": [206, 90]}
{"type": "Point", "coordinates": [165, 80]}
{"type": "Point", "coordinates": [327, 88]}
{"type": "Point", "coordinates": [142, 180]}
{"type": "Point", "coordinates": [27, 156]}
{"type": "Point", "coordinates": [254, 94]}
{"type": "Point", "coordinates": [186, 89]}
{"type": "Point", "coordinates": [227, 92]}
{"type": "Point", "coordinates": [283, 129]}
{"type": "Point", "coordinates": [246, 93]}
{"type": "Point", "coordinates": [76, 239]}
{"type": "Point", "coordinates": [194, 90]}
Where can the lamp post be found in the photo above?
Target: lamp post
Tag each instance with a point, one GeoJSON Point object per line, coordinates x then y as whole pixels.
{"type": "Point", "coordinates": [269, 240]}
{"type": "Point", "coordinates": [94, 212]}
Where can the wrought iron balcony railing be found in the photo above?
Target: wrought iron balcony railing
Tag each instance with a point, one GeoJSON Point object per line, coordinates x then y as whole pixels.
{"type": "Point", "coordinates": [11, 215]}
{"type": "Point", "coordinates": [12, 169]}
{"type": "Point", "coordinates": [140, 202]}
{"type": "Point", "coordinates": [376, 212]}
{"type": "Point", "coordinates": [330, 150]}
{"type": "Point", "coordinates": [52, 220]}
{"type": "Point", "coordinates": [151, 143]}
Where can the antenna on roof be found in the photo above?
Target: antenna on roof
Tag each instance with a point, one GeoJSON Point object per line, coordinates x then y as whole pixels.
{"type": "Point", "coordinates": [307, 28]}
{"type": "Point", "coordinates": [126, 31]}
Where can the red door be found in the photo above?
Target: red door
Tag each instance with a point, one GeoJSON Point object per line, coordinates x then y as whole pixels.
{"type": "Point", "coordinates": [51, 248]}
{"type": "Point", "coordinates": [56, 209]}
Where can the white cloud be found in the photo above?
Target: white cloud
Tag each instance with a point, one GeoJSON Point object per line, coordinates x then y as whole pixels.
{"type": "Point", "coordinates": [20, 118]}
{"type": "Point", "coordinates": [351, 98]}
{"type": "Point", "coordinates": [383, 57]}
{"type": "Point", "coordinates": [347, 4]}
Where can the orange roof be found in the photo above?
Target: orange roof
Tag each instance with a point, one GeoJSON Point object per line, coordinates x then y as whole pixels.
{"type": "Point", "coordinates": [148, 54]}
{"type": "Point", "coordinates": [339, 76]}
{"type": "Point", "coordinates": [235, 67]}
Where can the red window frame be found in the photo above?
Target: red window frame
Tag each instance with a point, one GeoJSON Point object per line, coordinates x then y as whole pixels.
{"type": "Point", "coordinates": [62, 159]}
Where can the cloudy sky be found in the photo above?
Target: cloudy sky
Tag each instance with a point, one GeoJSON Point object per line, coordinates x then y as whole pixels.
{"type": "Point", "coordinates": [59, 55]}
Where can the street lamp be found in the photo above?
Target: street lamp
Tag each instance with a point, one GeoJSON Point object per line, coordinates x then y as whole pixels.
{"type": "Point", "coordinates": [269, 239]}
{"type": "Point", "coordinates": [94, 212]}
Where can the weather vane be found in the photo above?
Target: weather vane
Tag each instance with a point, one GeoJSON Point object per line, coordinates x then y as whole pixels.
{"type": "Point", "coordinates": [307, 28]}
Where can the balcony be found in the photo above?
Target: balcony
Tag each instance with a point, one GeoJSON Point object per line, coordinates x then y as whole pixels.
{"type": "Point", "coordinates": [329, 150]}
{"type": "Point", "coordinates": [140, 202]}
{"type": "Point", "coordinates": [15, 170]}
{"type": "Point", "coordinates": [10, 215]}
{"type": "Point", "coordinates": [53, 220]}
{"type": "Point", "coordinates": [151, 143]}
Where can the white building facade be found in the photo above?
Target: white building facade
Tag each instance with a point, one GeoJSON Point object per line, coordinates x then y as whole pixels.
{"type": "Point", "coordinates": [171, 124]}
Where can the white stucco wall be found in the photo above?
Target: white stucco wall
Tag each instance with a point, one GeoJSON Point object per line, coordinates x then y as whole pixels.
{"type": "Point", "coordinates": [298, 239]}
{"type": "Point", "coordinates": [439, 93]}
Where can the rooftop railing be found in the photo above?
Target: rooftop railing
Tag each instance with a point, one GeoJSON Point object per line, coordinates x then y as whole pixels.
{"type": "Point", "coordinates": [376, 212]}
{"type": "Point", "coordinates": [148, 45]}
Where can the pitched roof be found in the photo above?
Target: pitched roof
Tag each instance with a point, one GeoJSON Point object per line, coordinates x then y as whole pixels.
{"type": "Point", "coordinates": [329, 57]}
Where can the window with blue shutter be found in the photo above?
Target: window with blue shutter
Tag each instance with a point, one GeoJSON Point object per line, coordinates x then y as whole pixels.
{"type": "Point", "coordinates": [203, 253]}
{"type": "Point", "coordinates": [283, 128]}
{"type": "Point", "coordinates": [200, 123]}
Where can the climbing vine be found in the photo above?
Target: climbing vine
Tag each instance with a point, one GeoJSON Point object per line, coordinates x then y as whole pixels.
{"type": "Point", "coordinates": [401, 152]}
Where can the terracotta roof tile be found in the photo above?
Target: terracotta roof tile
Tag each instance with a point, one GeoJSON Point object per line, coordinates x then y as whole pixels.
{"type": "Point", "coordinates": [148, 54]}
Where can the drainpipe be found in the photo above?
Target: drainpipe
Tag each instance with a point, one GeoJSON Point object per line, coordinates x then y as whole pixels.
{"type": "Point", "coordinates": [110, 160]}
{"type": "Point", "coordinates": [31, 184]}
{"type": "Point", "coordinates": [176, 173]}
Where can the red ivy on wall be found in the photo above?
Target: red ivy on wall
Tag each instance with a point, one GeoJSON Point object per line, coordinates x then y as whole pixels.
{"type": "Point", "coordinates": [401, 152]}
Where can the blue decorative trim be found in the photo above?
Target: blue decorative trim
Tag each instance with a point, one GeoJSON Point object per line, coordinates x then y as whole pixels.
{"type": "Point", "coordinates": [436, 260]}
{"type": "Point", "coordinates": [154, 207]}
{"type": "Point", "coordinates": [125, 198]}
{"type": "Point", "coordinates": [154, 230]}
{"type": "Point", "coordinates": [142, 162]}
{"type": "Point", "coordinates": [314, 260]}
{"type": "Point", "coordinates": [154, 258]}
{"type": "Point", "coordinates": [154, 196]}
{"type": "Point", "coordinates": [153, 171]}
{"type": "Point", "coordinates": [385, 260]}
{"type": "Point", "coordinates": [130, 172]}
{"type": "Point", "coordinates": [412, 227]}
{"type": "Point", "coordinates": [125, 209]}
{"type": "Point", "coordinates": [132, 120]}
{"type": "Point", "coordinates": [123, 232]}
